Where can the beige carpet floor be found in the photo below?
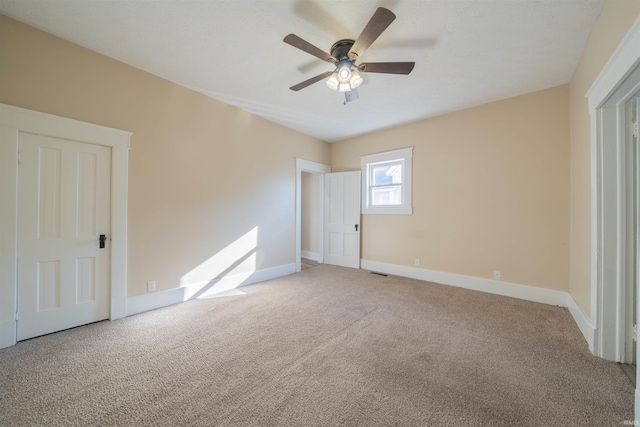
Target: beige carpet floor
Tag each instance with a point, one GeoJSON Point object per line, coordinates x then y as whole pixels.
{"type": "Point", "coordinates": [326, 347]}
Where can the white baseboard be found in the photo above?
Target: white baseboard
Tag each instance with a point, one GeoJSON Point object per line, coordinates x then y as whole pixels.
{"type": "Point", "coordinates": [7, 333]}
{"type": "Point", "coordinates": [118, 308]}
{"type": "Point", "coordinates": [153, 300]}
{"type": "Point", "coordinates": [588, 331]}
{"type": "Point", "coordinates": [313, 256]}
{"type": "Point", "coordinates": [514, 290]}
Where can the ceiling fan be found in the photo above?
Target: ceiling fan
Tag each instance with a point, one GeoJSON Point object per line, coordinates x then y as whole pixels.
{"type": "Point", "coordinates": [344, 54]}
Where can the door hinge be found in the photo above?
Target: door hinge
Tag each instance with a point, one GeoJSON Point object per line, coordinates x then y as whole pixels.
{"type": "Point", "coordinates": [635, 129]}
{"type": "Point", "coordinates": [635, 333]}
{"type": "Point", "coordinates": [16, 316]}
{"type": "Point", "coordinates": [19, 157]}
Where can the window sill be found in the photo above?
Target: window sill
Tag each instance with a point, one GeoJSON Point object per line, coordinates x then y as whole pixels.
{"type": "Point", "coordinates": [387, 211]}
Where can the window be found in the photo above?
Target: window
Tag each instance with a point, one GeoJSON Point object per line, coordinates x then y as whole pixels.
{"type": "Point", "coordinates": [386, 184]}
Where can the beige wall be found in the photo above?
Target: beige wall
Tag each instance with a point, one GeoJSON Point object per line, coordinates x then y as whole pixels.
{"type": "Point", "coordinates": [490, 191]}
{"type": "Point", "coordinates": [202, 174]}
{"type": "Point", "coordinates": [491, 183]}
{"type": "Point", "coordinates": [613, 24]}
{"type": "Point", "coordinates": [310, 213]}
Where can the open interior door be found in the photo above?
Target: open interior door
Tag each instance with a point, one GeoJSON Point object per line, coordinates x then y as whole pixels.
{"type": "Point", "coordinates": [342, 219]}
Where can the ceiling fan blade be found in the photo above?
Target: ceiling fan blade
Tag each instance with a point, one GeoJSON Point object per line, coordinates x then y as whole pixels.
{"type": "Point", "coordinates": [301, 44]}
{"type": "Point", "coordinates": [379, 22]}
{"type": "Point", "coordinates": [387, 67]}
{"type": "Point", "coordinates": [311, 81]}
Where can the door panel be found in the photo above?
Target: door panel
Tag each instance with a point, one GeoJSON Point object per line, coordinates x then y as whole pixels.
{"type": "Point", "coordinates": [63, 206]}
{"type": "Point", "coordinates": [342, 219]}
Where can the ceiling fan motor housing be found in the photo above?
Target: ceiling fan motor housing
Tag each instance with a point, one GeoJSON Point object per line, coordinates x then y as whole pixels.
{"type": "Point", "coordinates": [340, 49]}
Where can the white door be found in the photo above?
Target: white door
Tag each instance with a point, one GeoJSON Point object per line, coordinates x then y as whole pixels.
{"type": "Point", "coordinates": [63, 207]}
{"type": "Point", "coordinates": [342, 219]}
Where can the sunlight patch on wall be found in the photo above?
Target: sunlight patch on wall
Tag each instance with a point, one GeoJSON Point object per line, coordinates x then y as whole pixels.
{"type": "Point", "coordinates": [226, 270]}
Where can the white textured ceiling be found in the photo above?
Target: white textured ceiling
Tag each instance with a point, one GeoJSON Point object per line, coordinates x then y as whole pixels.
{"type": "Point", "coordinates": [467, 52]}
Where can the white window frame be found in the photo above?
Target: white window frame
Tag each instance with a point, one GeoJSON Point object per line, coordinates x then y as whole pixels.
{"type": "Point", "coordinates": [367, 162]}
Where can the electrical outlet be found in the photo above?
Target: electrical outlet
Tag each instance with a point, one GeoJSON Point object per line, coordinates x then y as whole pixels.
{"type": "Point", "coordinates": [417, 262]}
{"type": "Point", "coordinates": [151, 285]}
{"type": "Point", "coordinates": [496, 274]}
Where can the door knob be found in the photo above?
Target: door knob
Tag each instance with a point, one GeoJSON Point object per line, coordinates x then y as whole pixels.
{"type": "Point", "coordinates": [103, 238]}
{"type": "Point", "coordinates": [356, 227]}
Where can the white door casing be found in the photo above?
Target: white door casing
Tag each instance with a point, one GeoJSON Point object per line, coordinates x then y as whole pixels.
{"type": "Point", "coordinates": [13, 122]}
{"type": "Point", "coordinates": [616, 84]}
{"type": "Point", "coordinates": [342, 219]}
{"type": "Point", "coordinates": [63, 207]}
{"type": "Point", "coordinates": [632, 262]}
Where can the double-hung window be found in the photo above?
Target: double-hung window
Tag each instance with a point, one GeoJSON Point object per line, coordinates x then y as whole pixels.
{"type": "Point", "coordinates": [386, 184]}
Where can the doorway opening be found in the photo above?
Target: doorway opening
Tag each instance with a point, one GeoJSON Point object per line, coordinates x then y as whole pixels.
{"type": "Point", "coordinates": [314, 174]}
{"type": "Point", "coordinates": [311, 215]}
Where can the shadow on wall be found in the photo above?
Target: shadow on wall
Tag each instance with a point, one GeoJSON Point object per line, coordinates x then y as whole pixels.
{"type": "Point", "coordinates": [228, 269]}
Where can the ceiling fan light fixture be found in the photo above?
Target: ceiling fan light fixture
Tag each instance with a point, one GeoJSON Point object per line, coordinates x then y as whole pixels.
{"type": "Point", "coordinates": [355, 80]}
{"type": "Point", "coordinates": [332, 82]}
{"type": "Point", "coordinates": [344, 71]}
{"type": "Point", "coordinates": [344, 87]}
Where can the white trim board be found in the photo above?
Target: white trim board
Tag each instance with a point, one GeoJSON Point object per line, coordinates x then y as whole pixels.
{"type": "Point", "coordinates": [7, 333]}
{"type": "Point", "coordinates": [623, 60]}
{"type": "Point", "coordinates": [496, 287]}
{"type": "Point", "coordinates": [587, 329]}
{"type": "Point", "coordinates": [617, 82]}
{"type": "Point", "coordinates": [313, 256]}
{"type": "Point", "coordinates": [153, 300]}
{"type": "Point", "coordinates": [13, 122]}
{"type": "Point", "coordinates": [513, 290]}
